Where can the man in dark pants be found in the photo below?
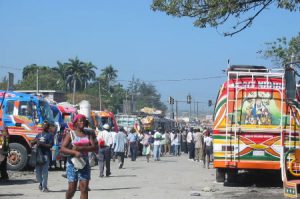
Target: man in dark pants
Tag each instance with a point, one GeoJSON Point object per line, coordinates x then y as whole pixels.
{"type": "Point", "coordinates": [133, 142]}
{"type": "Point", "coordinates": [4, 150]}
{"type": "Point", "coordinates": [105, 152]}
{"type": "Point", "coordinates": [3, 169]}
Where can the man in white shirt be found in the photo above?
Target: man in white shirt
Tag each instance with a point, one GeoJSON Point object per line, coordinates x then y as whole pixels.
{"type": "Point", "coordinates": [190, 144]}
{"type": "Point", "coordinates": [106, 151]}
{"type": "Point", "coordinates": [119, 146]}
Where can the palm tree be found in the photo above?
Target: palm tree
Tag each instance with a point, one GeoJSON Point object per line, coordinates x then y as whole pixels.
{"type": "Point", "coordinates": [109, 74]}
{"type": "Point", "coordinates": [61, 71]}
{"type": "Point", "coordinates": [89, 73]}
{"type": "Point", "coordinates": [75, 72]}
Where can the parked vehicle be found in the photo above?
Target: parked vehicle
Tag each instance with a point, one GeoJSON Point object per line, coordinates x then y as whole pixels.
{"type": "Point", "coordinates": [99, 118]}
{"type": "Point", "coordinates": [256, 123]}
{"type": "Point", "coordinates": [23, 116]}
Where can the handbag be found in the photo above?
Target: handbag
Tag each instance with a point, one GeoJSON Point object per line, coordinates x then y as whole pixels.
{"type": "Point", "coordinates": [37, 157]}
{"type": "Point", "coordinates": [79, 163]}
{"type": "Point", "coordinates": [40, 157]}
{"type": "Point", "coordinates": [32, 160]}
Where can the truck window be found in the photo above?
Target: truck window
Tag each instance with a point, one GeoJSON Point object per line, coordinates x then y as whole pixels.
{"type": "Point", "coordinates": [28, 109]}
{"type": "Point", "coordinates": [46, 112]}
{"type": "Point", "coordinates": [9, 107]}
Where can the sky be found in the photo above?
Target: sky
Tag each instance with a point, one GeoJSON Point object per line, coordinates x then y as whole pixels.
{"type": "Point", "coordinates": [136, 41]}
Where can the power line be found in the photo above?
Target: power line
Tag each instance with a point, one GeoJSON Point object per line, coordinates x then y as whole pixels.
{"type": "Point", "coordinates": [13, 68]}
{"type": "Point", "coordinates": [178, 80]}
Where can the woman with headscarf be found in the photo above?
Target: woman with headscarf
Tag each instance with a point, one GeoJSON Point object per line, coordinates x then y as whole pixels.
{"type": "Point", "coordinates": [81, 143]}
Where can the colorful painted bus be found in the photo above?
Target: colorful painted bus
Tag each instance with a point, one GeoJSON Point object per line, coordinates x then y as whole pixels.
{"type": "Point", "coordinates": [256, 122]}
{"type": "Point", "coordinates": [23, 116]}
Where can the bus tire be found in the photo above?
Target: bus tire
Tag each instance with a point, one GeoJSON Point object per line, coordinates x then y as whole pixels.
{"type": "Point", "coordinates": [220, 175]}
{"type": "Point", "coordinates": [18, 157]}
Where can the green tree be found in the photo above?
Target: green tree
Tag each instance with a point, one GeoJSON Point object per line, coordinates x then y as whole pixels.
{"type": "Point", "coordinates": [89, 73]}
{"type": "Point", "coordinates": [108, 75]}
{"type": "Point", "coordinates": [61, 70]}
{"type": "Point", "coordinates": [282, 50]}
{"type": "Point", "coordinates": [214, 13]}
{"type": "Point", "coordinates": [145, 95]}
{"type": "Point", "coordinates": [47, 78]}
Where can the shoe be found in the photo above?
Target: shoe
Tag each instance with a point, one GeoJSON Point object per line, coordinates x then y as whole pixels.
{"type": "Point", "coordinates": [45, 190]}
{"type": "Point", "coordinates": [101, 176]}
{"type": "Point", "coordinates": [64, 175]}
{"type": "Point", "coordinates": [40, 187]}
{"type": "Point", "coordinates": [108, 174]}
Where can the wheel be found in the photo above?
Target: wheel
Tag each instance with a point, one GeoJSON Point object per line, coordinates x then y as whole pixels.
{"type": "Point", "coordinates": [18, 157]}
{"type": "Point", "coordinates": [220, 175]}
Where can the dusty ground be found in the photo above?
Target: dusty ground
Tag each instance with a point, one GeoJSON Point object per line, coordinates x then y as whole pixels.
{"type": "Point", "coordinates": [172, 177]}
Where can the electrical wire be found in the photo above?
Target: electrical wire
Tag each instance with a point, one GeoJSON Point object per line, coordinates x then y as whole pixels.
{"type": "Point", "coordinates": [177, 80]}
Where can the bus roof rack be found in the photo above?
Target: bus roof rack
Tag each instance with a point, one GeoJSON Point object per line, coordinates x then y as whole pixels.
{"type": "Point", "coordinates": [247, 68]}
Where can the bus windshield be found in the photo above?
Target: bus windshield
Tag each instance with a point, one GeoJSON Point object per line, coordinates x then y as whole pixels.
{"type": "Point", "coordinates": [46, 112]}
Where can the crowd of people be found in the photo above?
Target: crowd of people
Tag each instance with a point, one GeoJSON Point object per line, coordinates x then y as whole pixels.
{"type": "Point", "coordinates": [105, 145]}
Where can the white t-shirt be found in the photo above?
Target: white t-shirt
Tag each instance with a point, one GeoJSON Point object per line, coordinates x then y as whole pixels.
{"type": "Point", "coordinates": [208, 141]}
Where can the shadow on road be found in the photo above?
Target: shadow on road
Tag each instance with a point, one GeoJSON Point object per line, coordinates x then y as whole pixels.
{"type": "Point", "coordinates": [256, 179]}
{"type": "Point", "coordinates": [115, 189]}
{"type": "Point", "coordinates": [122, 176]}
{"type": "Point", "coordinates": [10, 194]}
{"type": "Point", "coordinates": [17, 182]}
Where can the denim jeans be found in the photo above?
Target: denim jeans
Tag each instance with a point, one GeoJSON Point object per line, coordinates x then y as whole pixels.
{"type": "Point", "coordinates": [133, 150]}
{"type": "Point", "coordinates": [156, 152]}
{"type": "Point", "coordinates": [42, 173]}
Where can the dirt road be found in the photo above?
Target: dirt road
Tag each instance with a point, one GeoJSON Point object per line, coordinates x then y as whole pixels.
{"type": "Point", "coordinates": [172, 177]}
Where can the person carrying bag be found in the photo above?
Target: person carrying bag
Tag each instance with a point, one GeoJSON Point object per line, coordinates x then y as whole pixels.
{"type": "Point", "coordinates": [41, 156]}
{"type": "Point", "coordinates": [78, 168]}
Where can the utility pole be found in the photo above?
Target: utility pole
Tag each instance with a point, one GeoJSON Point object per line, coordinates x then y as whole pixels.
{"type": "Point", "coordinates": [74, 89]}
{"type": "Point", "coordinates": [100, 100]}
{"type": "Point", "coordinates": [37, 81]}
{"type": "Point", "coordinates": [176, 110]}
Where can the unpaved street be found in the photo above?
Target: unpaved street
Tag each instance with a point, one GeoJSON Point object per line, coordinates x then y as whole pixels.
{"type": "Point", "coordinates": [172, 177]}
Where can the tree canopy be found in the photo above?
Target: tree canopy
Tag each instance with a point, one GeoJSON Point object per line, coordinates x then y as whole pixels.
{"type": "Point", "coordinates": [215, 13]}
{"type": "Point", "coordinates": [79, 76]}
{"type": "Point", "coordinates": [283, 51]}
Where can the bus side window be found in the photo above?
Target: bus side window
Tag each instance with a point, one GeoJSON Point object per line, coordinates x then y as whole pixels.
{"type": "Point", "coordinates": [9, 107]}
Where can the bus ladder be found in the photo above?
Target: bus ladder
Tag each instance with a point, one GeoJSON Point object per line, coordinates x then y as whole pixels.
{"type": "Point", "coordinates": [234, 86]}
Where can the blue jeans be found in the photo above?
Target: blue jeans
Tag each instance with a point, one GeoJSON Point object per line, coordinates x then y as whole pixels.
{"type": "Point", "coordinates": [133, 150]}
{"type": "Point", "coordinates": [156, 152]}
{"type": "Point", "coordinates": [42, 173]}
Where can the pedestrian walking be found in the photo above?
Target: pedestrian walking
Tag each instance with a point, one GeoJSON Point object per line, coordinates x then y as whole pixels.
{"type": "Point", "coordinates": [44, 142]}
{"type": "Point", "coordinates": [148, 141]}
{"type": "Point", "coordinates": [190, 144]}
{"type": "Point", "coordinates": [157, 138]}
{"type": "Point", "coordinates": [199, 144]}
{"type": "Point", "coordinates": [4, 150]}
{"type": "Point", "coordinates": [208, 141]}
{"type": "Point", "coordinates": [162, 143]}
{"type": "Point", "coordinates": [184, 142]}
{"type": "Point", "coordinates": [119, 146]}
{"type": "Point", "coordinates": [133, 142]}
{"type": "Point", "coordinates": [105, 154]}
{"type": "Point", "coordinates": [167, 143]}
{"type": "Point", "coordinates": [77, 144]}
